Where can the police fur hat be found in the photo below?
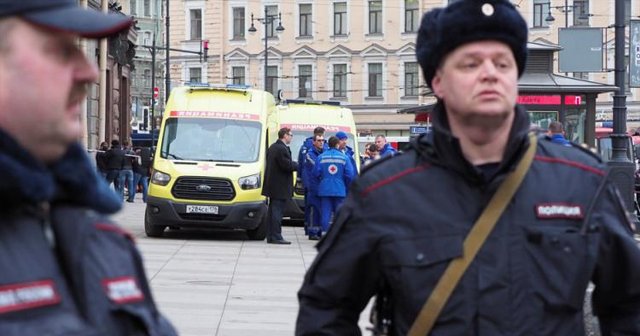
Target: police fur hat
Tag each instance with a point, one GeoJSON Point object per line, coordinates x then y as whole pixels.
{"type": "Point", "coordinates": [444, 29]}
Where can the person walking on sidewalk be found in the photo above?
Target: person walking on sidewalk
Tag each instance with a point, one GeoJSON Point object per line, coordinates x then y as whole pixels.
{"type": "Point", "coordinates": [278, 184]}
{"type": "Point", "coordinates": [479, 228]}
{"type": "Point", "coordinates": [65, 267]}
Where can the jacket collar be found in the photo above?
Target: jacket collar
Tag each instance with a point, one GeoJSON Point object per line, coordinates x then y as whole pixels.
{"type": "Point", "coordinates": [72, 180]}
{"type": "Point", "coordinates": [441, 147]}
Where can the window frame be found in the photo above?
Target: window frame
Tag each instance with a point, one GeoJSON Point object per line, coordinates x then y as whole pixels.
{"type": "Point", "coordinates": [375, 17]}
{"type": "Point", "coordinates": [340, 19]}
{"type": "Point", "coordinates": [305, 20]}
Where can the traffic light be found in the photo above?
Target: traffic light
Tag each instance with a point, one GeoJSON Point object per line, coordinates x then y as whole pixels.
{"type": "Point", "coordinates": [205, 49]}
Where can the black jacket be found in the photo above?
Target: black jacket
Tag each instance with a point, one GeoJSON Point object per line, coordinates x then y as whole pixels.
{"type": "Point", "coordinates": [278, 176]}
{"type": "Point", "coordinates": [114, 158]}
{"type": "Point", "coordinates": [406, 218]}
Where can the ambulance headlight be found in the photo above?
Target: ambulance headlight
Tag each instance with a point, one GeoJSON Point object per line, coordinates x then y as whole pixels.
{"type": "Point", "coordinates": [250, 182]}
{"type": "Point", "coordinates": [160, 178]}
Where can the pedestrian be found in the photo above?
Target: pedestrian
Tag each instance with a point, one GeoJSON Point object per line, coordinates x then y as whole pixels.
{"type": "Point", "coordinates": [65, 267]}
{"type": "Point", "coordinates": [142, 169]}
{"type": "Point", "coordinates": [101, 159]}
{"type": "Point", "coordinates": [372, 154]}
{"type": "Point", "coordinates": [346, 149]}
{"type": "Point", "coordinates": [126, 176]}
{"type": "Point", "coordinates": [556, 134]}
{"type": "Point", "coordinates": [278, 184]}
{"type": "Point", "coordinates": [384, 148]}
{"type": "Point", "coordinates": [307, 145]}
{"type": "Point", "coordinates": [312, 203]}
{"type": "Point", "coordinates": [446, 247]}
{"type": "Point", "coordinates": [115, 158]}
{"type": "Point", "coordinates": [335, 172]}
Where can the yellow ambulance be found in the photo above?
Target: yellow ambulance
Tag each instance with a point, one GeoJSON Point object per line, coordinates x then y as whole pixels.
{"type": "Point", "coordinates": [302, 116]}
{"type": "Point", "coordinates": [209, 161]}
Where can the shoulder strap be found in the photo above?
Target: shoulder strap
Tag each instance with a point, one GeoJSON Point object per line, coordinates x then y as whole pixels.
{"type": "Point", "coordinates": [472, 244]}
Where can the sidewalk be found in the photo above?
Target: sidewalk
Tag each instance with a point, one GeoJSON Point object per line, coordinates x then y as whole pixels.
{"type": "Point", "coordinates": [216, 283]}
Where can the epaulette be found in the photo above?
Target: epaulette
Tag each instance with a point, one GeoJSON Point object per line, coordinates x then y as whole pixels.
{"type": "Point", "coordinates": [378, 161]}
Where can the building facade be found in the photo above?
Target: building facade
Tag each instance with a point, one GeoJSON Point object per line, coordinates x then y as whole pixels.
{"type": "Point", "coordinates": [361, 53]}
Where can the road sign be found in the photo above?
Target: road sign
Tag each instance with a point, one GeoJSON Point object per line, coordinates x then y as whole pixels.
{"type": "Point", "coordinates": [156, 92]}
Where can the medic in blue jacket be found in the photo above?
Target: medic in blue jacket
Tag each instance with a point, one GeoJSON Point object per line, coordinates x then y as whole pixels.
{"type": "Point", "coordinates": [346, 150]}
{"type": "Point", "coordinates": [312, 202]}
{"type": "Point", "coordinates": [307, 145]}
{"type": "Point", "coordinates": [335, 171]}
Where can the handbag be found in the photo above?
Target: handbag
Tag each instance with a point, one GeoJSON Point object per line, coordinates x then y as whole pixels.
{"type": "Point", "coordinates": [483, 226]}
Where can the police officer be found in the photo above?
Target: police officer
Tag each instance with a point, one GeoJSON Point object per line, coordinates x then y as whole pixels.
{"type": "Point", "coordinates": [406, 217]}
{"type": "Point", "coordinates": [312, 203]}
{"type": "Point", "coordinates": [345, 149]}
{"type": "Point", "coordinates": [335, 171]}
{"type": "Point", "coordinates": [307, 145]}
{"type": "Point", "coordinates": [65, 267]}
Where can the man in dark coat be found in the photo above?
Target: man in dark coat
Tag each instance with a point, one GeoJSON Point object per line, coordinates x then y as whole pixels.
{"type": "Point", "coordinates": [278, 183]}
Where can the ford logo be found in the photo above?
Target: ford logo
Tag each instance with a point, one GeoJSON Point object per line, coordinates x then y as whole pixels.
{"type": "Point", "coordinates": [203, 188]}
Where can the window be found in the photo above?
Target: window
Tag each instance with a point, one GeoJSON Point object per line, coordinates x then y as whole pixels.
{"type": "Point", "coordinates": [541, 11]}
{"type": "Point", "coordinates": [238, 23]}
{"type": "Point", "coordinates": [305, 20]}
{"type": "Point", "coordinates": [272, 80]}
{"type": "Point", "coordinates": [147, 8]}
{"type": "Point", "coordinates": [304, 81]}
{"type": "Point", "coordinates": [195, 17]}
{"type": "Point", "coordinates": [340, 80]}
{"type": "Point", "coordinates": [581, 75]}
{"type": "Point", "coordinates": [452, 1]}
{"type": "Point", "coordinates": [133, 4]}
{"type": "Point", "coordinates": [272, 14]}
{"type": "Point", "coordinates": [411, 79]}
{"type": "Point", "coordinates": [340, 18]}
{"type": "Point", "coordinates": [146, 40]}
{"type": "Point", "coordinates": [411, 18]}
{"type": "Point", "coordinates": [581, 13]}
{"type": "Point", "coordinates": [147, 78]}
{"type": "Point", "coordinates": [375, 17]}
{"type": "Point", "coordinates": [195, 75]}
{"type": "Point", "coordinates": [238, 75]}
{"type": "Point", "coordinates": [375, 80]}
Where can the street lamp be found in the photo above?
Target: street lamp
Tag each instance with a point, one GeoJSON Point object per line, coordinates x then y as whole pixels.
{"type": "Point", "coordinates": [265, 20]}
{"type": "Point", "coordinates": [566, 9]}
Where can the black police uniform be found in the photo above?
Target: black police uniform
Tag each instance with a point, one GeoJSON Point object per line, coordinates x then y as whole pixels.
{"type": "Point", "coordinates": [66, 269]}
{"type": "Point", "coordinates": [565, 226]}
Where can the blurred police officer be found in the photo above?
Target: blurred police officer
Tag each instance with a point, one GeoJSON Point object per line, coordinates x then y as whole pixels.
{"type": "Point", "coordinates": [335, 171]}
{"type": "Point", "coordinates": [65, 268]}
{"type": "Point", "coordinates": [406, 216]}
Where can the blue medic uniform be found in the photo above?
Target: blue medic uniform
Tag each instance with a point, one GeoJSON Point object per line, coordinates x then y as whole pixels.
{"type": "Point", "coordinates": [312, 201]}
{"type": "Point", "coordinates": [387, 149]}
{"type": "Point", "coordinates": [348, 151]}
{"type": "Point", "coordinates": [307, 145]}
{"type": "Point", "coordinates": [335, 171]}
{"type": "Point", "coordinates": [406, 218]}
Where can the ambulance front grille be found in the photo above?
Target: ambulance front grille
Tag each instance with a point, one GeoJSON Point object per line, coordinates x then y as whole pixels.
{"type": "Point", "coordinates": [203, 188]}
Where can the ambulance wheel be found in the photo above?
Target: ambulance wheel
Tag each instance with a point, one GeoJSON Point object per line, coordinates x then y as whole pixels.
{"type": "Point", "coordinates": [154, 231]}
{"type": "Point", "coordinates": [259, 233]}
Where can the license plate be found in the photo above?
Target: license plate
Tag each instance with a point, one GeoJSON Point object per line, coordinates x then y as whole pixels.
{"type": "Point", "coordinates": [207, 209]}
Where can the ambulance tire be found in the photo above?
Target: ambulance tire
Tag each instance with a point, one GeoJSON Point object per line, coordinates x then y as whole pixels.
{"type": "Point", "coordinates": [259, 233]}
{"type": "Point", "coordinates": [153, 231]}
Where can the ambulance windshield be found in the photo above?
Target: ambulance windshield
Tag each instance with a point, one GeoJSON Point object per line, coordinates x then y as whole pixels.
{"type": "Point", "coordinates": [211, 139]}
